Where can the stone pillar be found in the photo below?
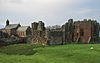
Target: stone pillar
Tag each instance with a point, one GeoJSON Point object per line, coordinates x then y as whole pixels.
{"type": "Point", "coordinates": [70, 30]}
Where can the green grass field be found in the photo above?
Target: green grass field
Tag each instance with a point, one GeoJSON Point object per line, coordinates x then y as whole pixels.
{"type": "Point", "coordinates": [72, 53]}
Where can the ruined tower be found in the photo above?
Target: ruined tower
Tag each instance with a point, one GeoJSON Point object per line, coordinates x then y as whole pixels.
{"type": "Point", "coordinates": [86, 31]}
{"type": "Point", "coordinates": [38, 33]}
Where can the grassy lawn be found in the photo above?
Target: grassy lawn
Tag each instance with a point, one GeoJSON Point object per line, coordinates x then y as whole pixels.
{"type": "Point", "coordinates": [73, 53]}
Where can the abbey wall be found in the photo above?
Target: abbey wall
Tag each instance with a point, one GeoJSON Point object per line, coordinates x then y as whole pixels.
{"type": "Point", "coordinates": [85, 31]}
{"type": "Point", "coordinates": [54, 37]}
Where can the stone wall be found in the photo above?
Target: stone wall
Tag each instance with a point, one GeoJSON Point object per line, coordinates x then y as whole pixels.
{"type": "Point", "coordinates": [54, 37]}
{"type": "Point", "coordinates": [38, 37]}
{"type": "Point", "coordinates": [82, 31]}
{"type": "Point", "coordinates": [86, 31]}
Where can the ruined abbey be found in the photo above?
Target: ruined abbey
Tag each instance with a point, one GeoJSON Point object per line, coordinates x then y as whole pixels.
{"type": "Point", "coordinates": [85, 31]}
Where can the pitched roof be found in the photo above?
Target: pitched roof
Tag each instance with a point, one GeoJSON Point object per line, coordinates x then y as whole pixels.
{"type": "Point", "coordinates": [12, 26]}
{"type": "Point", "coordinates": [23, 28]}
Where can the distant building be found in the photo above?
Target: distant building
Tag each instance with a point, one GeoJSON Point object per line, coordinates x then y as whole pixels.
{"type": "Point", "coordinates": [24, 31]}
{"type": "Point", "coordinates": [14, 34]}
{"type": "Point", "coordinates": [53, 27]}
{"type": "Point", "coordinates": [10, 29]}
{"type": "Point", "coordinates": [16, 30]}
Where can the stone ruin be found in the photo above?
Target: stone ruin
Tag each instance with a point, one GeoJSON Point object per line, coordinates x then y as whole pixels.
{"type": "Point", "coordinates": [85, 31]}
{"type": "Point", "coordinates": [38, 33]}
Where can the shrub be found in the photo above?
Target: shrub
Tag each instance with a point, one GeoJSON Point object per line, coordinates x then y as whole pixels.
{"type": "Point", "coordinates": [19, 49]}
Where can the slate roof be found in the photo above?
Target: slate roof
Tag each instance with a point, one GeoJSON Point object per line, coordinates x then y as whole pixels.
{"type": "Point", "coordinates": [22, 28]}
{"type": "Point", "coordinates": [12, 26]}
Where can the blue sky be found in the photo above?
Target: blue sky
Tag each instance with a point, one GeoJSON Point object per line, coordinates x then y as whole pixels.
{"type": "Point", "coordinates": [51, 12]}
